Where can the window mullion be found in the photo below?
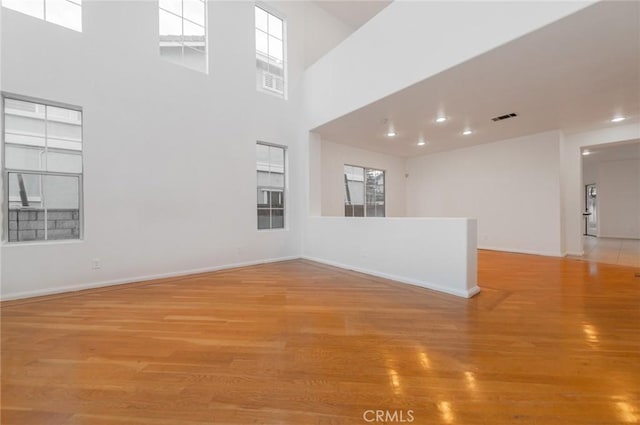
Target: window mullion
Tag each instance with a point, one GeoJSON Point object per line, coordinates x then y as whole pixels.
{"type": "Point", "coordinates": [39, 9]}
{"type": "Point", "coordinates": [40, 182]}
{"type": "Point", "coordinates": [182, 23]}
{"type": "Point", "coordinates": [177, 50]}
{"type": "Point", "coordinates": [270, 197]}
{"type": "Point", "coordinates": [43, 201]}
{"type": "Point", "coordinates": [278, 82]}
{"type": "Point", "coordinates": [268, 49]}
{"type": "Point", "coordinates": [43, 168]}
{"type": "Point", "coordinates": [49, 173]}
{"type": "Point", "coordinates": [269, 158]}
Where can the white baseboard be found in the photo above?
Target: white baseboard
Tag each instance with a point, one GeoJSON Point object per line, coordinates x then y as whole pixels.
{"type": "Point", "coordinates": [106, 283]}
{"type": "Point", "coordinates": [473, 291]}
{"type": "Point", "coordinates": [428, 285]}
{"type": "Point", "coordinates": [574, 253]}
{"type": "Point", "coordinates": [523, 251]}
{"type": "Point", "coordinates": [635, 238]}
{"type": "Point", "coordinates": [102, 284]}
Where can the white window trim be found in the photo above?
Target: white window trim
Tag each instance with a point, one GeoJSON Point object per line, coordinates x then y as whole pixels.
{"type": "Point", "coordinates": [182, 42]}
{"type": "Point", "coordinates": [285, 60]}
{"type": "Point", "coordinates": [285, 190]}
{"type": "Point", "coordinates": [364, 169]}
{"type": "Point", "coordinates": [5, 173]}
{"type": "Point", "coordinates": [44, 14]}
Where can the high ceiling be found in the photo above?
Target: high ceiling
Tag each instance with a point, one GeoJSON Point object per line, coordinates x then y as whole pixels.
{"type": "Point", "coordinates": [354, 13]}
{"type": "Point", "coordinates": [574, 74]}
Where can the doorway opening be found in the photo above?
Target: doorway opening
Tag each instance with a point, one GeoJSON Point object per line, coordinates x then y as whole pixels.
{"type": "Point", "coordinates": [591, 210]}
{"type": "Point", "coordinates": [611, 203]}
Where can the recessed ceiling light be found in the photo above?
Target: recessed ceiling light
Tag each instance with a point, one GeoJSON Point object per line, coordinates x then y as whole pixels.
{"type": "Point", "coordinates": [441, 119]}
{"type": "Point", "coordinates": [586, 153]}
{"type": "Point", "coordinates": [391, 133]}
{"type": "Point", "coordinates": [421, 143]}
{"type": "Point", "coordinates": [467, 132]}
{"type": "Point", "coordinates": [617, 119]}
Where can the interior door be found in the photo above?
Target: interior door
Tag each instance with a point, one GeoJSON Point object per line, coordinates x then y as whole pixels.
{"type": "Point", "coordinates": [591, 210]}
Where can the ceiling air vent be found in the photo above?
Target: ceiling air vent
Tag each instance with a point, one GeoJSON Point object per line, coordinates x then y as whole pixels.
{"type": "Point", "coordinates": [504, 117]}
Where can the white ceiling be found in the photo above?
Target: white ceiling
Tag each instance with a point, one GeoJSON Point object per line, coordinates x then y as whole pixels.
{"type": "Point", "coordinates": [354, 13]}
{"type": "Point", "coordinates": [574, 74]}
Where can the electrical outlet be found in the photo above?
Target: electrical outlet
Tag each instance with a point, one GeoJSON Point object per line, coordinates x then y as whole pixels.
{"type": "Point", "coordinates": [95, 264]}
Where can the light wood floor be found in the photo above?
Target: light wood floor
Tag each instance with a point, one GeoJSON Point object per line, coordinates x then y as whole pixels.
{"type": "Point", "coordinates": [547, 341]}
{"type": "Point", "coordinates": [624, 252]}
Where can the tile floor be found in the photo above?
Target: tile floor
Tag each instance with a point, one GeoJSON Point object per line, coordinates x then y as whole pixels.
{"type": "Point", "coordinates": [623, 252]}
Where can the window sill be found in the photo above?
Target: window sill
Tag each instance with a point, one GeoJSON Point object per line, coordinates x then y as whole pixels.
{"type": "Point", "coordinates": [6, 244]}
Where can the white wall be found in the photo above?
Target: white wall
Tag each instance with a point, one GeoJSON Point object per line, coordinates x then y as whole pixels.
{"type": "Point", "coordinates": [1, 158]}
{"type": "Point", "coordinates": [169, 157]}
{"type": "Point", "coordinates": [619, 199]}
{"type": "Point", "coordinates": [313, 175]}
{"type": "Point", "coordinates": [589, 174]}
{"type": "Point", "coordinates": [435, 253]}
{"type": "Point", "coordinates": [335, 156]}
{"type": "Point", "coordinates": [511, 187]}
{"type": "Point", "coordinates": [483, 182]}
{"type": "Point", "coordinates": [324, 30]}
{"type": "Point", "coordinates": [572, 185]}
{"type": "Point", "coordinates": [169, 153]}
{"type": "Point", "coordinates": [378, 59]}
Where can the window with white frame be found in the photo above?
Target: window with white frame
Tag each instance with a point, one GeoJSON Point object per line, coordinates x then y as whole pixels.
{"type": "Point", "coordinates": [270, 52]}
{"type": "Point", "coordinates": [42, 170]}
{"type": "Point", "coordinates": [183, 32]}
{"type": "Point", "coordinates": [67, 13]}
{"type": "Point", "coordinates": [270, 166]}
{"type": "Point", "coordinates": [364, 192]}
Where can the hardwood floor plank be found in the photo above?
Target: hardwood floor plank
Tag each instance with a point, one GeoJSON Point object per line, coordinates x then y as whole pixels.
{"type": "Point", "coordinates": [547, 341]}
